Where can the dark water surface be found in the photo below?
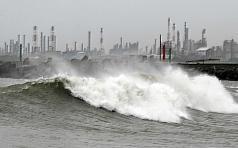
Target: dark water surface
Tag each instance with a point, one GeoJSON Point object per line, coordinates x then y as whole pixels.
{"type": "Point", "coordinates": [47, 115]}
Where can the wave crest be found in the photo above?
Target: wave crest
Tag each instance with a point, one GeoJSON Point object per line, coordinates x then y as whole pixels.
{"type": "Point", "coordinates": [154, 97]}
{"type": "Point", "coordinates": [161, 96]}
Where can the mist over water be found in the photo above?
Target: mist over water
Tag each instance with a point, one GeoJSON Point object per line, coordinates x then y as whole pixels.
{"type": "Point", "coordinates": [104, 106]}
{"type": "Point", "coordinates": [161, 93]}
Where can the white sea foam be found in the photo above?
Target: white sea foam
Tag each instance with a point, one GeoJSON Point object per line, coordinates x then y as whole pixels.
{"type": "Point", "coordinates": [163, 96]}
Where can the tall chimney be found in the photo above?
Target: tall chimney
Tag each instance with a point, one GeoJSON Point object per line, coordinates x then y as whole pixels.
{"type": "Point", "coordinates": [121, 43]}
{"type": "Point", "coordinates": [160, 46]}
{"type": "Point", "coordinates": [48, 43]}
{"type": "Point", "coordinates": [44, 42]}
{"type": "Point", "coordinates": [75, 46]}
{"type": "Point", "coordinates": [101, 40]}
{"type": "Point", "coordinates": [35, 39]}
{"type": "Point", "coordinates": [174, 33]}
{"type": "Point", "coordinates": [41, 42]}
{"type": "Point", "coordinates": [178, 41]}
{"type": "Point", "coordinates": [89, 41]}
{"type": "Point", "coordinates": [155, 46]}
{"type": "Point", "coordinates": [164, 53]}
{"type": "Point", "coordinates": [169, 24]}
{"type": "Point", "coordinates": [21, 53]}
{"type": "Point", "coordinates": [24, 44]}
{"type": "Point", "coordinates": [28, 48]}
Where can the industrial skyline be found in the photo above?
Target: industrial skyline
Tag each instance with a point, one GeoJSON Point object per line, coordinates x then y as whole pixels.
{"type": "Point", "coordinates": [38, 43]}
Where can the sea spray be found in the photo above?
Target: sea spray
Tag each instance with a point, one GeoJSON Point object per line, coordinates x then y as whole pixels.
{"type": "Point", "coordinates": [130, 96]}
{"type": "Point", "coordinates": [203, 92]}
{"type": "Point", "coordinates": [161, 95]}
{"type": "Point", "coordinates": [164, 96]}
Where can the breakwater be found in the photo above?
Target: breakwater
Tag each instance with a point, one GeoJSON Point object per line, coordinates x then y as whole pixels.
{"type": "Point", "coordinates": [224, 71]}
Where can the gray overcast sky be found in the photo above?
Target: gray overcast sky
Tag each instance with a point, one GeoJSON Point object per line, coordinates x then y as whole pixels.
{"type": "Point", "coordinates": [135, 20]}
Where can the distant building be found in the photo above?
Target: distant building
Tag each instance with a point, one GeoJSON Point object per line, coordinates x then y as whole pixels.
{"type": "Point", "coordinates": [69, 55]}
{"type": "Point", "coordinates": [132, 49]}
{"type": "Point", "coordinates": [191, 44]}
{"type": "Point", "coordinates": [6, 48]}
{"type": "Point", "coordinates": [202, 51]}
{"type": "Point", "coordinates": [230, 50]}
{"type": "Point", "coordinates": [214, 53]}
{"type": "Point", "coordinates": [128, 49]}
{"type": "Point", "coordinates": [201, 43]}
{"type": "Point", "coordinates": [178, 41]}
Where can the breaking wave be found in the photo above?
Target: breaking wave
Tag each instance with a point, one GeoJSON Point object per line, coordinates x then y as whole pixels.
{"type": "Point", "coordinates": [160, 96]}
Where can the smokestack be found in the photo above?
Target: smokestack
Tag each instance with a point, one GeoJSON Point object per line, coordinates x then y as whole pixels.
{"type": "Point", "coordinates": [44, 42]}
{"type": "Point", "coordinates": [21, 53]}
{"type": "Point", "coordinates": [203, 33]}
{"type": "Point", "coordinates": [121, 42]}
{"type": "Point", "coordinates": [18, 41]}
{"type": "Point", "coordinates": [17, 45]}
{"type": "Point", "coordinates": [5, 48]}
{"type": "Point", "coordinates": [155, 46]}
{"type": "Point", "coordinates": [164, 53]}
{"type": "Point", "coordinates": [160, 46]}
{"type": "Point", "coordinates": [89, 41]}
{"type": "Point", "coordinates": [41, 41]}
{"type": "Point", "coordinates": [24, 44]}
{"type": "Point", "coordinates": [204, 38]}
{"type": "Point", "coordinates": [48, 43]}
{"type": "Point", "coordinates": [52, 42]}
{"type": "Point", "coordinates": [232, 50]}
{"type": "Point", "coordinates": [186, 30]}
{"type": "Point", "coordinates": [75, 46]}
{"type": "Point", "coordinates": [101, 40]}
{"type": "Point", "coordinates": [178, 41]}
{"type": "Point", "coordinates": [174, 36]}
{"type": "Point", "coordinates": [169, 24]}
{"type": "Point", "coordinates": [35, 39]}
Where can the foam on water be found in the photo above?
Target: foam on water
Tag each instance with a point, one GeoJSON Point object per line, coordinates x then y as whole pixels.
{"type": "Point", "coordinates": [163, 96]}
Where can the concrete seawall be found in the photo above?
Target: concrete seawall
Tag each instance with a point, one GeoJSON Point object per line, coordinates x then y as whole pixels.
{"type": "Point", "coordinates": [223, 71]}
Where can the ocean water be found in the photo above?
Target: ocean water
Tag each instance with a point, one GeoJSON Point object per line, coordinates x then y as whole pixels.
{"type": "Point", "coordinates": [128, 109]}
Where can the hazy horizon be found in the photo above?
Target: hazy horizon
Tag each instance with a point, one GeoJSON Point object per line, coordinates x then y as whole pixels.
{"type": "Point", "coordinates": [135, 20]}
